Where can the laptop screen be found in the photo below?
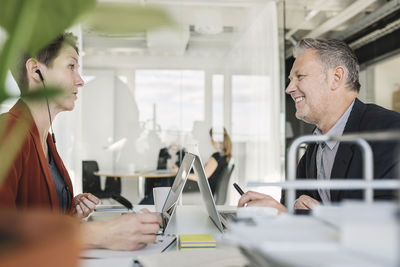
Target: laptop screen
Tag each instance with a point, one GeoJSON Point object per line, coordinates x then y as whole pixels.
{"type": "Point", "coordinates": [176, 189]}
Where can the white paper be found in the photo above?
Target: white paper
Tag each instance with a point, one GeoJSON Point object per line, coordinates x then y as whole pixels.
{"type": "Point", "coordinates": [161, 244]}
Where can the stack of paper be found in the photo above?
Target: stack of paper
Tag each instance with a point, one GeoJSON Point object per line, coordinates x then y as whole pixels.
{"type": "Point", "coordinates": [196, 241]}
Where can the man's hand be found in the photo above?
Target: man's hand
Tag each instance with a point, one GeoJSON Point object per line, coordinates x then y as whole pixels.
{"type": "Point", "coordinates": [84, 204]}
{"type": "Point", "coordinates": [127, 232]}
{"type": "Point", "coordinates": [251, 198]}
{"type": "Point", "coordinates": [305, 202]}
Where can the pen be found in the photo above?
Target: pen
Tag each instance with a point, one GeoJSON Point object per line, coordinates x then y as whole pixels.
{"type": "Point", "coordinates": [238, 188]}
{"type": "Point", "coordinates": [126, 203]}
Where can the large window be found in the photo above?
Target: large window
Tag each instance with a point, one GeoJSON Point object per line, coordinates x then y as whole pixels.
{"type": "Point", "coordinates": [218, 103]}
{"type": "Point", "coordinates": [169, 99]}
{"type": "Point", "coordinates": [250, 100]}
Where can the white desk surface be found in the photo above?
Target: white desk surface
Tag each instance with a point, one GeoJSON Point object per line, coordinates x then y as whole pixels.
{"type": "Point", "coordinates": [187, 220]}
{"type": "Point", "coordinates": [282, 242]}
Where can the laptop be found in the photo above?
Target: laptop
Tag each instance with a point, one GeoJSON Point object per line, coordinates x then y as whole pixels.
{"type": "Point", "coordinates": [171, 201]}
{"type": "Point", "coordinates": [190, 160]}
{"type": "Point", "coordinates": [220, 218]}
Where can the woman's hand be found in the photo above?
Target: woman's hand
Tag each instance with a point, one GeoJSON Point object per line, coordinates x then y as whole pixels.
{"type": "Point", "coordinates": [126, 232]}
{"type": "Point", "coordinates": [84, 204]}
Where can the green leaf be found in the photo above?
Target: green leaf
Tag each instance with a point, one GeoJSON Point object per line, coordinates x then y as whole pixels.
{"type": "Point", "coordinates": [3, 94]}
{"type": "Point", "coordinates": [49, 92]}
{"type": "Point", "coordinates": [45, 20]}
{"type": "Point", "coordinates": [126, 18]}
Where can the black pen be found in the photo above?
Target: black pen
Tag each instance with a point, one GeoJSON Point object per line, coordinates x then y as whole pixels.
{"type": "Point", "coordinates": [126, 203]}
{"type": "Point", "coordinates": [238, 188]}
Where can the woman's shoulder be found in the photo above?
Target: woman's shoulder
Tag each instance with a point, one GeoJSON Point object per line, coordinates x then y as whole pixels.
{"type": "Point", "coordinates": [216, 155]}
{"type": "Point", "coordinates": [219, 157]}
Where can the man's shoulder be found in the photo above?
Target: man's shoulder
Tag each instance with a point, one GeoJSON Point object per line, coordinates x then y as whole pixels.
{"type": "Point", "coordinates": [382, 116]}
{"type": "Point", "coordinates": [374, 117]}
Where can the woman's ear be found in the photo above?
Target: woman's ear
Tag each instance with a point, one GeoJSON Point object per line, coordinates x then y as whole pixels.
{"type": "Point", "coordinates": [31, 66]}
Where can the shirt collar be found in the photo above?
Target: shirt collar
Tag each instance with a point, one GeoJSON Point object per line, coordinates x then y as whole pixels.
{"type": "Point", "coordinates": [338, 128]}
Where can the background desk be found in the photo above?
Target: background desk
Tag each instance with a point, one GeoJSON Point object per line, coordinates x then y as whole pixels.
{"type": "Point", "coordinates": [150, 174]}
{"type": "Point", "coordinates": [145, 188]}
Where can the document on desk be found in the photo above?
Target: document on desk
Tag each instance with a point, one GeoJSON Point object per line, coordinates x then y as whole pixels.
{"type": "Point", "coordinates": [221, 256]}
{"type": "Point", "coordinates": [161, 244]}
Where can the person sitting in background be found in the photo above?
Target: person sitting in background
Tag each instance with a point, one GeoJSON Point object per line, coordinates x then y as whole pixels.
{"type": "Point", "coordinates": [215, 165]}
{"type": "Point", "coordinates": [324, 86]}
{"type": "Point", "coordinates": [37, 177]}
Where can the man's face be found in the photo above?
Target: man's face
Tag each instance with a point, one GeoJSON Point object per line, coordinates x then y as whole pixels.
{"type": "Point", "coordinates": [308, 87]}
{"type": "Point", "coordinates": [63, 74]}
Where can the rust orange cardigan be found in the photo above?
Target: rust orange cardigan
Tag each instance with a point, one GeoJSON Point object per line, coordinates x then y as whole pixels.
{"type": "Point", "coordinates": [29, 183]}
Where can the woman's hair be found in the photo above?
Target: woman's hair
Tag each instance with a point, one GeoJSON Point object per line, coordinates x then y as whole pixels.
{"type": "Point", "coordinates": [226, 144]}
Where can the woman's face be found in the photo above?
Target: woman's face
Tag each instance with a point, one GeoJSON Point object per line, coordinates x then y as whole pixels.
{"type": "Point", "coordinates": [63, 74]}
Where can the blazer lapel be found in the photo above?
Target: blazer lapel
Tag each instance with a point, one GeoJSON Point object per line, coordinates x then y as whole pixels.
{"type": "Point", "coordinates": [345, 151]}
{"type": "Point", "coordinates": [311, 170]}
{"type": "Point", "coordinates": [45, 170]}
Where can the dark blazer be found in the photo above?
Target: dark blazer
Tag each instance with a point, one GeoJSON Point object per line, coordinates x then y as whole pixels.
{"type": "Point", "coordinates": [348, 159]}
{"type": "Point", "coordinates": [28, 183]}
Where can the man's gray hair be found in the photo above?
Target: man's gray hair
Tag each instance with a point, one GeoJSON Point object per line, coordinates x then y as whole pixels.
{"type": "Point", "coordinates": [333, 53]}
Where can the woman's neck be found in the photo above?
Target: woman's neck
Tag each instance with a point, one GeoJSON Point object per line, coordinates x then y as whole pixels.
{"type": "Point", "coordinates": [40, 115]}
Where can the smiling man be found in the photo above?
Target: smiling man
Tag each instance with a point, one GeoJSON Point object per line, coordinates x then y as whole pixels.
{"type": "Point", "coordinates": [324, 85]}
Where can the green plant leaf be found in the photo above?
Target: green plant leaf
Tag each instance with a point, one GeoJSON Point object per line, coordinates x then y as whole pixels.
{"type": "Point", "coordinates": [45, 21]}
{"type": "Point", "coordinates": [126, 18]}
{"type": "Point", "coordinates": [49, 92]}
{"type": "Point", "coordinates": [3, 94]}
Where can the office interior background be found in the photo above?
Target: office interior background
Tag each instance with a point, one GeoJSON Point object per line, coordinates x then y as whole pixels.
{"type": "Point", "coordinates": [224, 64]}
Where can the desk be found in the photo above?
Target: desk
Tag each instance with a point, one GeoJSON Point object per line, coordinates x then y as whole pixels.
{"type": "Point", "coordinates": [345, 235]}
{"type": "Point", "coordinates": [187, 219]}
{"type": "Point", "coordinates": [149, 174]}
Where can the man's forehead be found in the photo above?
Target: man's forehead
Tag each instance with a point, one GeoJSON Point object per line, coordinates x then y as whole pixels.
{"type": "Point", "coordinates": [304, 60]}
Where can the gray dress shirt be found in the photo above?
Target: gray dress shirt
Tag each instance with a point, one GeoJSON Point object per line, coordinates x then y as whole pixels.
{"type": "Point", "coordinates": [327, 151]}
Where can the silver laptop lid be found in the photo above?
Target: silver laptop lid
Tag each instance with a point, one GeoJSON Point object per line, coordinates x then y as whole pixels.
{"type": "Point", "coordinates": [176, 188]}
{"type": "Point", "coordinates": [206, 193]}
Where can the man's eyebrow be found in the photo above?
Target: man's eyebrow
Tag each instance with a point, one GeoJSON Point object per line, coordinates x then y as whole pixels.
{"type": "Point", "coordinates": [295, 74]}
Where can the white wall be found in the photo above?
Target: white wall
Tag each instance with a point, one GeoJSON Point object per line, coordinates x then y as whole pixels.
{"type": "Point", "coordinates": [98, 118]}
{"type": "Point", "coordinates": [386, 78]}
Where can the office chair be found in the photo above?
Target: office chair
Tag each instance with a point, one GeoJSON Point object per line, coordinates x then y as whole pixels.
{"type": "Point", "coordinates": [149, 184]}
{"type": "Point", "coordinates": [91, 182]}
{"type": "Point", "coordinates": [221, 188]}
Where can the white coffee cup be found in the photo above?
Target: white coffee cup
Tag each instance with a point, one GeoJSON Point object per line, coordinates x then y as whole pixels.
{"type": "Point", "coordinates": [160, 195]}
